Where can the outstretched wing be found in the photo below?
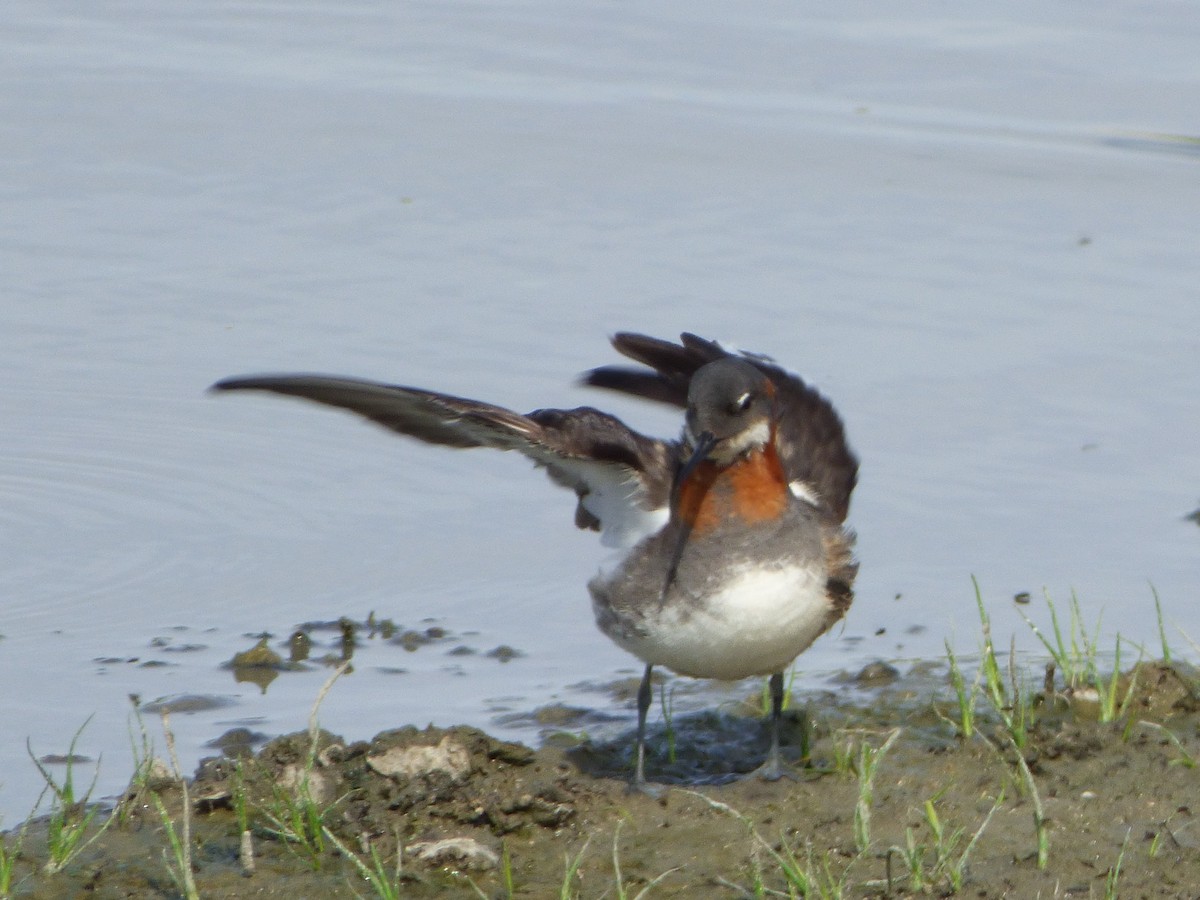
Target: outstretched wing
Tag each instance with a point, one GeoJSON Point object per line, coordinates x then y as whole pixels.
{"type": "Point", "coordinates": [811, 438]}
{"type": "Point", "coordinates": [622, 478]}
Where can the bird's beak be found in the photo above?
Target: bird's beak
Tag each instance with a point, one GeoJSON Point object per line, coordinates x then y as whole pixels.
{"type": "Point", "coordinates": [703, 444]}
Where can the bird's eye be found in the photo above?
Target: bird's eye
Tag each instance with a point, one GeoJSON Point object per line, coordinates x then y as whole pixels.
{"type": "Point", "coordinates": [742, 403]}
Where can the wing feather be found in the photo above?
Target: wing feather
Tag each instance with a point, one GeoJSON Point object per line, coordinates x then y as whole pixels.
{"type": "Point", "coordinates": [621, 478]}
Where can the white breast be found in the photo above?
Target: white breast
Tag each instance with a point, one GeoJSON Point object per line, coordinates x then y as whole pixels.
{"type": "Point", "coordinates": [755, 623]}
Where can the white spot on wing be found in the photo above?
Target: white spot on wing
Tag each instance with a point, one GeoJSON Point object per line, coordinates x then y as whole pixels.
{"type": "Point", "coordinates": [615, 496]}
{"type": "Point", "coordinates": [802, 490]}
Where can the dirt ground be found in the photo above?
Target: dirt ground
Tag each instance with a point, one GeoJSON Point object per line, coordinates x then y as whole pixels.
{"type": "Point", "coordinates": [471, 816]}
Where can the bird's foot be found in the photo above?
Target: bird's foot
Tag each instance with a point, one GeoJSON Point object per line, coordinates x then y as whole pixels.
{"type": "Point", "coordinates": [773, 770]}
{"type": "Point", "coordinates": [645, 788]}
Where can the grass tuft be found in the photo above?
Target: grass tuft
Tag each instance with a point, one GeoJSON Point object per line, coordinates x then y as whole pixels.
{"type": "Point", "coordinates": [868, 764]}
{"type": "Point", "coordinates": [1015, 716]}
{"type": "Point", "coordinates": [9, 854]}
{"type": "Point", "coordinates": [70, 815]}
{"type": "Point", "coordinates": [620, 881]}
{"type": "Point", "coordinates": [1184, 759]}
{"type": "Point", "coordinates": [1112, 879]}
{"type": "Point", "coordinates": [566, 890]}
{"type": "Point", "coordinates": [808, 878]}
{"type": "Point", "coordinates": [939, 864]}
{"type": "Point", "coordinates": [667, 701]}
{"type": "Point", "coordinates": [294, 813]}
{"type": "Point", "coordinates": [1162, 628]}
{"type": "Point", "coordinates": [1076, 654]}
{"type": "Point", "coordinates": [179, 864]}
{"type": "Point", "coordinates": [385, 881]}
{"type": "Point", "coordinates": [967, 696]}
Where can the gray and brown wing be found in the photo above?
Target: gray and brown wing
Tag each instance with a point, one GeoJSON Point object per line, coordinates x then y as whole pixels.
{"type": "Point", "coordinates": [621, 478]}
{"type": "Point", "coordinates": [811, 438]}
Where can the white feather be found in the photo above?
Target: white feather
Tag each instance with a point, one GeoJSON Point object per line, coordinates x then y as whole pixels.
{"type": "Point", "coordinates": [757, 623]}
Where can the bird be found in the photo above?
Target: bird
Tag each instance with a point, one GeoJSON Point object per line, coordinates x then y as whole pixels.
{"type": "Point", "coordinates": [734, 550]}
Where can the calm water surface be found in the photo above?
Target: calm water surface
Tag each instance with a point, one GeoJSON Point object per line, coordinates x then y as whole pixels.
{"type": "Point", "coordinates": [975, 229]}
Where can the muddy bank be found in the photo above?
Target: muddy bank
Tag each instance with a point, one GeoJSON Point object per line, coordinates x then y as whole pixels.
{"type": "Point", "coordinates": [895, 801]}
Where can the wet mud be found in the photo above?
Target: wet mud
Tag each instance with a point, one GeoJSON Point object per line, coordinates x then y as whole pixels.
{"type": "Point", "coordinates": [894, 802]}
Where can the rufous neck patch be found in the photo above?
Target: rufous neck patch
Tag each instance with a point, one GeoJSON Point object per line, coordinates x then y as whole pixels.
{"type": "Point", "coordinates": [753, 489]}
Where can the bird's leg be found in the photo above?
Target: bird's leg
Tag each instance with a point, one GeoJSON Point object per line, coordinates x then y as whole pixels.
{"type": "Point", "coordinates": [644, 696]}
{"type": "Point", "coordinates": [774, 769]}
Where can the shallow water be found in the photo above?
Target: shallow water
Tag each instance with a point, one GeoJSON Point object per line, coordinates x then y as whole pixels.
{"type": "Point", "coordinates": [974, 229]}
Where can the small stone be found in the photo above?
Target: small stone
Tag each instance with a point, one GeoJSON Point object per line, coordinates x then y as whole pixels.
{"type": "Point", "coordinates": [560, 716]}
{"type": "Point", "coordinates": [332, 754]}
{"type": "Point", "coordinates": [158, 776]}
{"type": "Point", "coordinates": [448, 757]}
{"type": "Point", "coordinates": [258, 656]}
{"type": "Point", "coordinates": [876, 673]}
{"type": "Point", "coordinates": [299, 646]}
{"type": "Point", "coordinates": [504, 653]}
{"type": "Point", "coordinates": [463, 851]}
{"type": "Point", "coordinates": [237, 742]}
{"type": "Point", "coordinates": [321, 787]}
{"type": "Point", "coordinates": [411, 640]}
